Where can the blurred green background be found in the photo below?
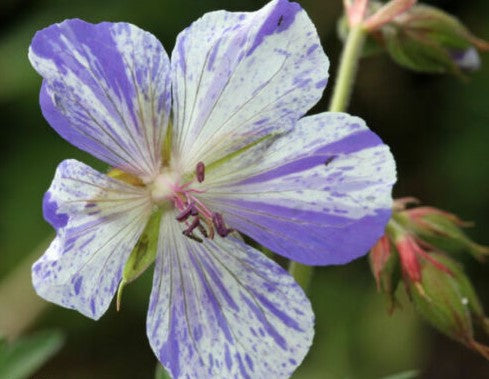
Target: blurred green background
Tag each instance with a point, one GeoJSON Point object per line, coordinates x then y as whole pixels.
{"type": "Point", "coordinates": [437, 127]}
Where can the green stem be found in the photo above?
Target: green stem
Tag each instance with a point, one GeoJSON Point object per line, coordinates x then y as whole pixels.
{"type": "Point", "coordinates": [345, 79]}
{"type": "Point", "coordinates": [20, 306]}
{"type": "Point", "coordinates": [347, 70]}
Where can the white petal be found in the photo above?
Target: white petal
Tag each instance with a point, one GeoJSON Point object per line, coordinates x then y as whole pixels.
{"type": "Point", "coordinates": [106, 90]}
{"type": "Point", "coordinates": [320, 194]}
{"type": "Point", "coordinates": [98, 221]}
{"type": "Point", "coordinates": [237, 77]}
{"type": "Point", "coordinates": [220, 309]}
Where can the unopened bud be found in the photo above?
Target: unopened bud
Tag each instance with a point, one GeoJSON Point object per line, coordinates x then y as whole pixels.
{"type": "Point", "coordinates": [442, 299]}
{"type": "Point", "coordinates": [426, 39]}
{"type": "Point", "coordinates": [385, 266]}
{"type": "Point", "coordinates": [442, 230]}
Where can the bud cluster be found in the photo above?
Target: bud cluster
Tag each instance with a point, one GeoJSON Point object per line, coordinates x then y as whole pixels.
{"type": "Point", "coordinates": [416, 36]}
{"type": "Point", "coordinates": [418, 249]}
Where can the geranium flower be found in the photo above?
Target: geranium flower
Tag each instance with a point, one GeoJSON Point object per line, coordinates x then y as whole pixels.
{"type": "Point", "coordinates": [214, 142]}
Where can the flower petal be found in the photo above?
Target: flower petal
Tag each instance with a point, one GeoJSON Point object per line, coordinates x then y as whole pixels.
{"type": "Point", "coordinates": [106, 90]}
{"type": "Point", "coordinates": [98, 221]}
{"type": "Point", "coordinates": [220, 309]}
{"type": "Point", "coordinates": [320, 194]}
{"type": "Point", "coordinates": [238, 77]}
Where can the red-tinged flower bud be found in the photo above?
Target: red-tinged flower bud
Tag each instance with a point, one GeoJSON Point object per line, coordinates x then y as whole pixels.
{"type": "Point", "coordinates": [442, 230]}
{"type": "Point", "coordinates": [422, 38]}
{"type": "Point", "coordinates": [408, 250]}
{"type": "Point", "coordinates": [445, 302]}
{"type": "Point", "coordinates": [384, 262]}
{"type": "Point", "coordinates": [467, 290]}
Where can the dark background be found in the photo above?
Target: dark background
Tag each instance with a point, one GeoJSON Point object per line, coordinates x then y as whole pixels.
{"type": "Point", "coordinates": [437, 127]}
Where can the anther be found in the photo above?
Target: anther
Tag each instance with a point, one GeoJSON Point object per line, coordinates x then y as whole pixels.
{"type": "Point", "coordinates": [221, 228]}
{"type": "Point", "coordinates": [187, 212]}
{"type": "Point", "coordinates": [200, 172]}
{"type": "Point", "coordinates": [202, 230]}
{"type": "Point", "coordinates": [193, 237]}
{"type": "Point", "coordinates": [189, 232]}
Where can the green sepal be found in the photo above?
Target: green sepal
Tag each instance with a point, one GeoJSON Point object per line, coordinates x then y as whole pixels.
{"type": "Point", "coordinates": [467, 290]}
{"type": "Point", "coordinates": [143, 254]}
{"type": "Point", "coordinates": [448, 236]}
{"type": "Point", "coordinates": [161, 373]}
{"type": "Point", "coordinates": [417, 53]}
{"type": "Point", "coordinates": [440, 300]}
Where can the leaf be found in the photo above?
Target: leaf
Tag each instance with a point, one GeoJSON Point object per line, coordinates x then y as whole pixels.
{"type": "Point", "coordinates": [24, 357]}
{"type": "Point", "coordinates": [160, 372]}
{"type": "Point", "coordinates": [410, 374]}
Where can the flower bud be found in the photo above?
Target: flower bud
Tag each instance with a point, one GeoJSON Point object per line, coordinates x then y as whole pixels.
{"type": "Point", "coordinates": [385, 266]}
{"type": "Point", "coordinates": [442, 230]}
{"type": "Point", "coordinates": [435, 283]}
{"type": "Point", "coordinates": [426, 39]}
{"type": "Point", "coordinates": [444, 300]}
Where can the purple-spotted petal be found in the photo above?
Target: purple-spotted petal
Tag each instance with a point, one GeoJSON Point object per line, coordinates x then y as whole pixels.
{"type": "Point", "coordinates": [221, 310]}
{"type": "Point", "coordinates": [237, 77]}
{"type": "Point", "coordinates": [320, 194]}
{"type": "Point", "coordinates": [98, 221]}
{"type": "Point", "coordinates": [106, 90]}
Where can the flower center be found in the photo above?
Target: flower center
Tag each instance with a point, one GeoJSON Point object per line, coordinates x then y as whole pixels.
{"type": "Point", "coordinates": [164, 187]}
{"type": "Point", "coordinates": [193, 213]}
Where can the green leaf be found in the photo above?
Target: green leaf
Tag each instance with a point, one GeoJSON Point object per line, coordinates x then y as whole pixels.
{"type": "Point", "coordinates": [410, 374]}
{"type": "Point", "coordinates": [23, 357]}
{"type": "Point", "coordinates": [143, 254]}
{"type": "Point", "coordinates": [160, 372]}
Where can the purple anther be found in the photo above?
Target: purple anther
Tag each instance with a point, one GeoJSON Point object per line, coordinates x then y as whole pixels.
{"type": "Point", "coordinates": [203, 231]}
{"type": "Point", "coordinates": [221, 228]}
{"type": "Point", "coordinates": [194, 211]}
{"type": "Point", "coordinates": [189, 232]}
{"type": "Point", "coordinates": [193, 237]}
{"type": "Point", "coordinates": [187, 212]}
{"type": "Point", "coordinates": [200, 172]}
{"type": "Point", "coordinates": [195, 223]}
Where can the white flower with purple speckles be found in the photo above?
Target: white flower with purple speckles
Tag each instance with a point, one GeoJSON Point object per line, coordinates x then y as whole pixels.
{"type": "Point", "coordinates": [215, 142]}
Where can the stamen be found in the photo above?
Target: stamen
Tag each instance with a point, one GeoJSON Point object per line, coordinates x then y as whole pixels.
{"type": "Point", "coordinates": [187, 212]}
{"type": "Point", "coordinates": [189, 232]}
{"type": "Point", "coordinates": [221, 228]}
{"type": "Point", "coordinates": [193, 237]}
{"type": "Point", "coordinates": [200, 172]}
{"type": "Point", "coordinates": [203, 231]}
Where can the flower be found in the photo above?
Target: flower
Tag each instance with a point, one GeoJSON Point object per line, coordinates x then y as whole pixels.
{"type": "Point", "coordinates": [212, 143]}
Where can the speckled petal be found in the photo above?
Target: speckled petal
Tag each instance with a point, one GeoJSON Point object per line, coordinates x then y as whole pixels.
{"type": "Point", "coordinates": [237, 77]}
{"type": "Point", "coordinates": [320, 194]}
{"type": "Point", "coordinates": [220, 309]}
{"type": "Point", "coordinates": [106, 90]}
{"type": "Point", "coordinates": [98, 220]}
